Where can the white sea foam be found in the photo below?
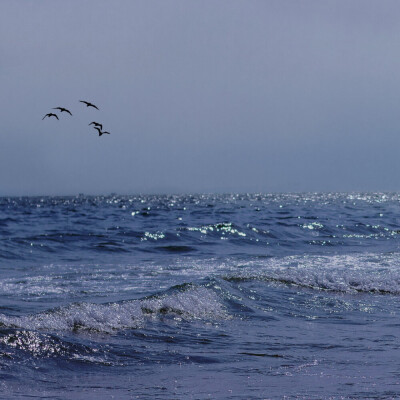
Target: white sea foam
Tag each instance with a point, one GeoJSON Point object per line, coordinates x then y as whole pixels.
{"type": "Point", "coordinates": [35, 343]}
{"type": "Point", "coordinates": [189, 304]}
{"type": "Point", "coordinates": [344, 273]}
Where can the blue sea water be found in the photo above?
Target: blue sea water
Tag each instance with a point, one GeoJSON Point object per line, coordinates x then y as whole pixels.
{"type": "Point", "coordinates": [253, 296]}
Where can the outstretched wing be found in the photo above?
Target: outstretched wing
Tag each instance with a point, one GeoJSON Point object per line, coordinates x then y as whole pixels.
{"type": "Point", "coordinates": [88, 104]}
{"type": "Point", "coordinates": [50, 115]}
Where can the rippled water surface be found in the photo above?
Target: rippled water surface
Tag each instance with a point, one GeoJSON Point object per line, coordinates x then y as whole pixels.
{"type": "Point", "coordinates": [290, 296]}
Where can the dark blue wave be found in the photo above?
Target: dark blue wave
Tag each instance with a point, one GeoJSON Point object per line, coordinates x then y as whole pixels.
{"type": "Point", "coordinates": [36, 227]}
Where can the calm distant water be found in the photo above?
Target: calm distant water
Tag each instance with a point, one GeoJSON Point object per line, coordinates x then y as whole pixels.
{"type": "Point", "coordinates": [291, 296]}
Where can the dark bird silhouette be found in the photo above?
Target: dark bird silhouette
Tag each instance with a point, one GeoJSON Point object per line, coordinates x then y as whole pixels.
{"type": "Point", "coordinates": [88, 104]}
{"type": "Point", "coordinates": [62, 109]}
{"type": "Point", "coordinates": [96, 124]}
{"type": "Point", "coordinates": [100, 132]}
{"type": "Point", "coordinates": [49, 115]}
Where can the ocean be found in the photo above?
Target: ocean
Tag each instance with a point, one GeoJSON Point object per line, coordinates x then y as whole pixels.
{"type": "Point", "coordinates": [236, 296]}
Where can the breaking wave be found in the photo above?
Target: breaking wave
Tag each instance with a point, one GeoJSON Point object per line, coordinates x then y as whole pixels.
{"type": "Point", "coordinates": [187, 303]}
{"type": "Point", "coordinates": [372, 273]}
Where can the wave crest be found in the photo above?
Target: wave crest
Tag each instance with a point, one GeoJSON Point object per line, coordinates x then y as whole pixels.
{"type": "Point", "coordinates": [342, 273]}
{"type": "Point", "coordinates": [188, 304]}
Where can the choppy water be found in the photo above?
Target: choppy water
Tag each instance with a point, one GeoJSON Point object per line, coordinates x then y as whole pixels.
{"type": "Point", "coordinates": [290, 296]}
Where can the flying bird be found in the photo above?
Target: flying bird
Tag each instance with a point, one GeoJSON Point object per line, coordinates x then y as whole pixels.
{"type": "Point", "coordinates": [49, 115]}
{"type": "Point", "coordinates": [62, 109]}
{"type": "Point", "coordinates": [88, 104]}
{"type": "Point", "coordinates": [100, 132]}
{"type": "Point", "coordinates": [96, 124]}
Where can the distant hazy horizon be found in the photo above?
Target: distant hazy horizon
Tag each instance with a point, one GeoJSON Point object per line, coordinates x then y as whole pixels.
{"type": "Point", "coordinates": [184, 194]}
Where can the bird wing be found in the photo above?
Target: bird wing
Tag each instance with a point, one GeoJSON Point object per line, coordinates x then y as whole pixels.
{"type": "Point", "coordinates": [69, 112]}
{"type": "Point", "coordinates": [54, 115]}
{"type": "Point", "coordinates": [82, 101]}
{"type": "Point", "coordinates": [45, 116]}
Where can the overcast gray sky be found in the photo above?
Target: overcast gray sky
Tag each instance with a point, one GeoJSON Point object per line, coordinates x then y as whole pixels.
{"type": "Point", "coordinates": [200, 96]}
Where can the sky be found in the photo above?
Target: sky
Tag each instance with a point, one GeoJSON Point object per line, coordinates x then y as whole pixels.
{"type": "Point", "coordinates": [200, 96]}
